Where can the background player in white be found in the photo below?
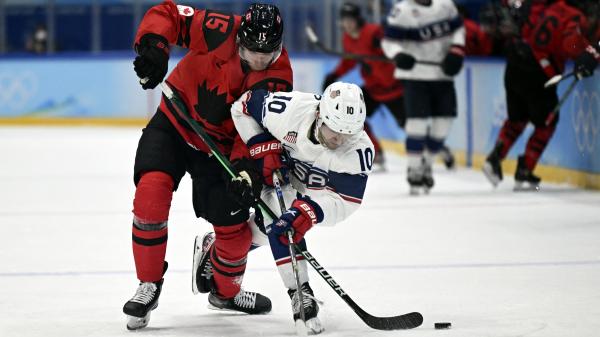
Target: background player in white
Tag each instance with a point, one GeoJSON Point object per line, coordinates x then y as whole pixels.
{"type": "Point", "coordinates": [329, 158]}
{"type": "Point", "coordinates": [425, 30]}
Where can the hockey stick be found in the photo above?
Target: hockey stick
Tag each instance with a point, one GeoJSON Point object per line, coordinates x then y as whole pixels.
{"type": "Point", "coordinates": [406, 321]}
{"type": "Point", "coordinates": [314, 39]}
{"type": "Point", "coordinates": [557, 78]}
{"type": "Point", "coordinates": [562, 101]}
{"type": "Point", "coordinates": [300, 328]}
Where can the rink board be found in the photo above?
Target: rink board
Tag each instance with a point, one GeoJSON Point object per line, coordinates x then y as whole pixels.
{"type": "Point", "coordinates": [86, 90]}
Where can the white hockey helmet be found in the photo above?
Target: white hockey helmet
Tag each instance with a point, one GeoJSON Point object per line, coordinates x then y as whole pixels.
{"type": "Point", "coordinates": [342, 108]}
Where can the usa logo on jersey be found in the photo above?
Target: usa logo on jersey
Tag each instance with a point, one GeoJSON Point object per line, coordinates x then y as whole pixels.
{"type": "Point", "coordinates": [291, 137]}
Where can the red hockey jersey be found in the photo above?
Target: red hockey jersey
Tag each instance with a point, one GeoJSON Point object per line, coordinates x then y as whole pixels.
{"type": "Point", "coordinates": [378, 76]}
{"type": "Point", "coordinates": [210, 77]}
{"type": "Point", "coordinates": [558, 35]}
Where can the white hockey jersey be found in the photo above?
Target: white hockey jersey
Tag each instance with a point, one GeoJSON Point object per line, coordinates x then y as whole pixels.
{"type": "Point", "coordinates": [426, 33]}
{"type": "Point", "coordinates": [334, 179]}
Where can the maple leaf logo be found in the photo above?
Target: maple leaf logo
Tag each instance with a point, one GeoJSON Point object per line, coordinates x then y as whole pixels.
{"type": "Point", "coordinates": [211, 106]}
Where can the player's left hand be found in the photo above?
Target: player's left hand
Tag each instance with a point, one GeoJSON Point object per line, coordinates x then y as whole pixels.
{"type": "Point", "coordinates": [453, 62]}
{"type": "Point", "coordinates": [586, 63]}
{"type": "Point", "coordinates": [303, 214]}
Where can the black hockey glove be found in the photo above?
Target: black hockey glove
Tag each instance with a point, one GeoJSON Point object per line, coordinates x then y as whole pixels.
{"type": "Point", "coordinates": [404, 61]}
{"type": "Point", "coordinates": [330, 78]}
{"type": "Point", "coordinates": [453, 62]}
{"type": "Point", "coordinates": [586, 63]}
{"type": "Point", "coordinates": [152, 61]}
{"type": "Point", "coordinates": [246, 188]}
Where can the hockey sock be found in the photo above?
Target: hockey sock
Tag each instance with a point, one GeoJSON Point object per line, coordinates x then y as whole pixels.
{"type": "Point", "coordinates": [151, 206]}
{"type": "Point", "coordinates": [374, 140]}
{"type": "Point", "coordinates": [283, 260]}
{"type": "Point", "coordinates": [228, 257]}
{"type": "Point", "coordinates": [509, 133]}
{"type": "Point", "coordinates": [537, 144]}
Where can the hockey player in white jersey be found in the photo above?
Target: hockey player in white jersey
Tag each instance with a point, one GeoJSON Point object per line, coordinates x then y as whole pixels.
{"type": "Point", "coordinates": [329, 158]}
{"type": "Point", "coordinates": [431, 31]}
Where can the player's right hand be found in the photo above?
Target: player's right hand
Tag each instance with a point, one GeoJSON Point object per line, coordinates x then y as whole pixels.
{"type": "Point", "coordinates": [267, 154]}
{"type": "Point", "coordinates": [152, 61]}
{"type": "Point", "coordinates": [404, 61]}
{"type": "Point", "coordinates": [246, 187]}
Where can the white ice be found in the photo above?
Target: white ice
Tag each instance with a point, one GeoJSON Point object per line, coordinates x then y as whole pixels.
{"type": "Point", "coordinates": [491, 262]}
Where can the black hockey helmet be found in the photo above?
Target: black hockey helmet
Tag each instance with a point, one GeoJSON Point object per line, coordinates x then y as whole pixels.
{"type": "Point", "coordinates": [261, 29]}
{"type": "Point", "coordinates": [351, 10]}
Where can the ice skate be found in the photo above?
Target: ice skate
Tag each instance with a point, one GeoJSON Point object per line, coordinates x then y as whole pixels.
{"type": "Point", "coordinates": [202, 271]}
{"type": "Point", "coordinates": [447, 158]}
{"type": "Point", "coordinates": [245, 301]}
{"type": "Point", "coordinates": [427, 178]}
{"type": "Point", "coordinates": [139, 307]}
{"type": "Point", "coordinates": [492, 168]}
{"type": "Point", "coordinates": [525, 180]}
{"type": "Point", "coordinates": [414, 176]}
{"type": "Point", "coordinates": [311, 309]}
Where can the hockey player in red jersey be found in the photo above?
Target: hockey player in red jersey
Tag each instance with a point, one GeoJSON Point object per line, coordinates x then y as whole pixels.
{"type": "Point", "coordinates": [380, 86]}
{"type": "Point", "coordinates": [546, 43]}
{"type": "Point", "coordinates": [227, 56]}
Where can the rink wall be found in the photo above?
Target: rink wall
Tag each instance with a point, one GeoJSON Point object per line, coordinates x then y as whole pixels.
{"type": "Point", "coordinates": [103, 90]}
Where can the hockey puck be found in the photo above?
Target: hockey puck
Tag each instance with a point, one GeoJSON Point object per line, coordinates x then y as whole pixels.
{"type": "Point", "coordinates": [442, 325]}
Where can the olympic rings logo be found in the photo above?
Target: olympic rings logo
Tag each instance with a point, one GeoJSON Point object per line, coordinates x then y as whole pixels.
{"type": "Point", "coordinates": [585, 108]}
{"type": "Point", "coordinates": [16, 89]}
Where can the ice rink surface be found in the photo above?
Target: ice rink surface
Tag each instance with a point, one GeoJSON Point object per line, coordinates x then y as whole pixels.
{"type": "Point", "coordinates": [492, 262]}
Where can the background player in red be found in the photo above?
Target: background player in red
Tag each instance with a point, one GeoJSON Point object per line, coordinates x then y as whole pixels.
{"type": "Point", "coordinates": [380, 86]}
{"type": "Point", "coordinates": [228, 55]}
{"type": "Point", "coordinates": [547, 41]}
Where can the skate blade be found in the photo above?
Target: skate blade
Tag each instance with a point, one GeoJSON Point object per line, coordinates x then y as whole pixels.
{"type": "Point", "coordinates": [136, 323]}
{"type": "Point", "coordinates": [196, 262]}
{"type": "Point", "coordinates": [311, 327]}
{"type": "Point", "coordinates": [489, 174]}
{"type": "Point", "coordinates": [526, 187]}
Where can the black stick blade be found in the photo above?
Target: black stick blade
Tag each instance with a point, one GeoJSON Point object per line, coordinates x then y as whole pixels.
{"type": "Point", "coordinates": [402, 322]}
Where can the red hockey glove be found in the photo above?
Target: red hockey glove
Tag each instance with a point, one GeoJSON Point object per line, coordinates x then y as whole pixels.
{"type": "Point", "coordinates": [267, 153]}
{"type": "Point", "coordinates": [303, 214]}
{"type": "Point", "coordinates": [453, 62]}
{"type": "Point", "coordinates": [152, 61]}
{"type": "Point", "coordinates": [586, 63]}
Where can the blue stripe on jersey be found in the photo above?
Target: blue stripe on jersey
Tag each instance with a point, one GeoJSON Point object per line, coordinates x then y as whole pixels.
{"type": "Point", "coordinates": [351, 187]}
{"type": "Point", "coordinates": [428, 32]}
{"type": "Point", "coordinates": [256, 104]}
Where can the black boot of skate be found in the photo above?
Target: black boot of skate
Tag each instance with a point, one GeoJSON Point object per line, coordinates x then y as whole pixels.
{"type": "Point", "coordinates": [310, 307]}
{"type": "Point", "coordinates": [492, 168]}
{"type": "Point", "coordinates": [414, 176]}
{"type": "Point", "coordinates": [139, 307]}
{"type": "Point", "coordinates": [447, 158]}
{"type": "Point", "coordinates": [525, 180]}
{"type": "Point", "coordinates": [245, 301]}
{"type": "Point", "coordinates": [202, 270]}
{"type": "Point", "coordinates": [427, 177]}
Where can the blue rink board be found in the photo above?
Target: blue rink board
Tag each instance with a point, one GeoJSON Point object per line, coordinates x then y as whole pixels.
{"type": "Point", "coordinates": [105, 86]}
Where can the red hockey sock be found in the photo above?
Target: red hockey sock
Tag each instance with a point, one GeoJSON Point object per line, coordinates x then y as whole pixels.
{"type": "Point", "coordinates": [151, 211]}
{"type": "Point", "coordinates": [228, 257]}
{"type": "Point", "coordinates": [537, 144]}
{"type": "Point", "coordinates": [509, 133]}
